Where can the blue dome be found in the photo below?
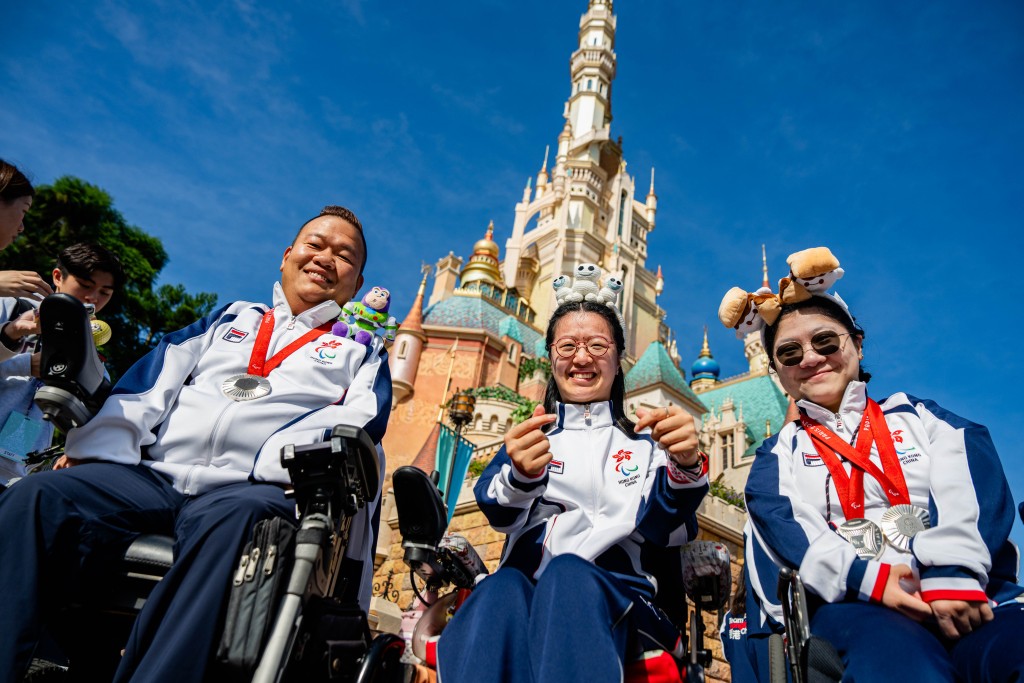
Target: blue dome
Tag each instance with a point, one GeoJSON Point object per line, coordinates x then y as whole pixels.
{"type": "Point", "coordinates": [705, 367]}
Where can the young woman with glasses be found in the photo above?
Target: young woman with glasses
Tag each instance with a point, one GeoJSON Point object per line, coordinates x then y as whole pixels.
{"type": "Point", "coordinates": [587, 499]}
{"type": "Point", "coordinates": [895, 513]}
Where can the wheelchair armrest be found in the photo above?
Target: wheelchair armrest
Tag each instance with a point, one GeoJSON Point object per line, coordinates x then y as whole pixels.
{"type": "Point", "coordinates": [149, 555]}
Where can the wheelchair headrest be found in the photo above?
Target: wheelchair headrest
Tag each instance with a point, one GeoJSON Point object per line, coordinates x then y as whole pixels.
{"type": "Point", "coordinates": [707, 574]}
{"type": "Point", "coordinates": [422, 517]}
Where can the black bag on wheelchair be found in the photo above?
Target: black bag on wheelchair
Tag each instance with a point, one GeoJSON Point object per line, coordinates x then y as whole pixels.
{"type": "Point", "coordinates": [256, 591]}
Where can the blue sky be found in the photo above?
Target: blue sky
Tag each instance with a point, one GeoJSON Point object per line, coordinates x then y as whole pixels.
{"type": "Point", "coordinates": [890, 132]}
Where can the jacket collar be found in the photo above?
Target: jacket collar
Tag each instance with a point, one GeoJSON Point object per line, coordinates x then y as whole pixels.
{"type": "Point", "coordinates": [851, 409]}
{"type": "Point", "coordinates": [575, 415]}
{"type": "Point", "coordinates": [314, 317]}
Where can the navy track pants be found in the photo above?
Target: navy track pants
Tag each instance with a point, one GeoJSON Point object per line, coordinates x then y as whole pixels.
{"type": "Point", "coordinates": [575, 624]}
{"type": "Point", "coordinates": [58, 528]}
{"type": "Point", "coordinates": [877, 644]}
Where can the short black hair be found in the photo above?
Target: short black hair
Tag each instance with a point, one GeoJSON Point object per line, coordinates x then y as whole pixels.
{"type": "Point", "coordinates": [85, 258]}
{"type": "Point", "coordinates": [13, 183]}
{"type": "Point", "coordinates": [346, 215]}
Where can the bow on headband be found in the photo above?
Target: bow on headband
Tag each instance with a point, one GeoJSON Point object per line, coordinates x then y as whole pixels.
{"type": "Point", "coordinates": [812, 272]}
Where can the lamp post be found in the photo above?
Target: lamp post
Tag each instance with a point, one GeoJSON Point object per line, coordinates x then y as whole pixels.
{"type": "Point", "coordinates": [460, 412]}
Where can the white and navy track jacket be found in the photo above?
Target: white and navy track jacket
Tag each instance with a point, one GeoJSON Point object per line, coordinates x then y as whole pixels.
{"type": "Point", "coordinates": [952, 470]}
{"type": "Point", "coordinates": [603, 497]}
{"type": "Point", "coordinates": [168, 411]}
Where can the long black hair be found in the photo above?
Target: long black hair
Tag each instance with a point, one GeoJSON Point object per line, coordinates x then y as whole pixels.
{"type": "Point", "coordinates": [827, 308]}
{"type": "Point", "coordinates": [552, 396]}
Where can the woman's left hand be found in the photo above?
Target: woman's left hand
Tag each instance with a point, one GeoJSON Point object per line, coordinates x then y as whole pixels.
{"type": "Point", "coordinates": [673, 429]}
{"type": "Point", "coordinates": [957, 618]}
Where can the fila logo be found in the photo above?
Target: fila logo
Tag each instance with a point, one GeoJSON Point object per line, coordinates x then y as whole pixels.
{"type": "Point", "coordinates": [556, 466]}
{"type": "Point", "coordinates": [235, 335]}
{"type": "Point", "coordinates": [812, 460]}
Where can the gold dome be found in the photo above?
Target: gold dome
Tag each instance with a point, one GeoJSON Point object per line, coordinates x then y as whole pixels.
{"type": "Point", "coordinates": [483, 264]}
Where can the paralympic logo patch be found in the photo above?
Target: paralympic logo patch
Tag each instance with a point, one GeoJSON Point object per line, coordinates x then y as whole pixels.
{"type": "Point", "coordinates": [622, 464]}
{"type": "Point", "coordinates": [326, 350]}
{"type": "Point", "coordinates": [908, 449]}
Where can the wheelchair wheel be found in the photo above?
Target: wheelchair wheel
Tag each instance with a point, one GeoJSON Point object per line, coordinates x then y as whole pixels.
{"type": "Point", "coordinates": [776, 659]}
{"type": "Point", "coordinates": [43, 671]}
{"type": "Point", "coordinates": [382, 662]}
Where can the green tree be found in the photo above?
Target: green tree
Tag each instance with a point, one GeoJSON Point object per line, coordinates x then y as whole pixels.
{"type": "Point", "coordinates": [72, 210]}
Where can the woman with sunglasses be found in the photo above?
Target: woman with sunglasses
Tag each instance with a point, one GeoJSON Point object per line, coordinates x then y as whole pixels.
{"type": "Point", "coordinates": [587, 499]}
{"type": "Point", "coordinates": [896, 513]}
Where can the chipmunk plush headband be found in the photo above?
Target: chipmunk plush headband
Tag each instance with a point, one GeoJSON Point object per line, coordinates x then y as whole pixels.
{"type": "Point", "coordinates": [811, 273]}
{"type": "Point", "coordinates": [584, 286]}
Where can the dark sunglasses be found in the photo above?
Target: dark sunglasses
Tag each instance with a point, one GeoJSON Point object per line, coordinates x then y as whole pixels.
{"type": "Point", "coordinates": [823, 343]}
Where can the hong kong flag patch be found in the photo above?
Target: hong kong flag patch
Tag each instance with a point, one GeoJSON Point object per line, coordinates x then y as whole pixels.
{"type": "Point", "coordinates": [235, 335]}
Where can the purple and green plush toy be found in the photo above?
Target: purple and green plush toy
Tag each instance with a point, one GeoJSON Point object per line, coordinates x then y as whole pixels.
{"type": "Point", "coordinates": [360, 320]}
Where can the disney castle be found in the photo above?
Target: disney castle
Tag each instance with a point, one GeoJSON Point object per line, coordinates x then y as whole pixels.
{"type": "Point", "coordinates": [481, 324]}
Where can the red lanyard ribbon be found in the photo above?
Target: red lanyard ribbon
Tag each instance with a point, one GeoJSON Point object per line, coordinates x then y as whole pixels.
{"type": "Point", "coordinates": [850, 487]}
{"type": "Point", "coordinates": [259, 364]}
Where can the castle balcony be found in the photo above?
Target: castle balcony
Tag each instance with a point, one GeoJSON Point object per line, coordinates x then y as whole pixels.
{"type": "Point", "coordinates": [597, 57]}
{"type": "Point", "coordinates": [587, 180]}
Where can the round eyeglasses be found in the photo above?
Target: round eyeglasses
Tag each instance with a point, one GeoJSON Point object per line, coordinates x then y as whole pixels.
{"type": "Point", "coordinates": [566, 347]}
{"type": "Point", "coordinates": [823, 343]}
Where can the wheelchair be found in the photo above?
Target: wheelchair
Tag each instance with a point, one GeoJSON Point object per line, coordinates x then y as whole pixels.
{"type": "Point", "coordinates": [810, 659]}
{"type": "Point", "coordinates": [441, 560]}
{"type": "Point", "coordinates": [315, 634]}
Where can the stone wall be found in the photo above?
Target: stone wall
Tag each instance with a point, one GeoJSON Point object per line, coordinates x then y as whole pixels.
{"type": "Point", "coordinates": [718, 521]}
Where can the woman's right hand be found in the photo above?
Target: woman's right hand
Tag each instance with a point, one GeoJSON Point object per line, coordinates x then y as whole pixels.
{"type": "Point", "coordinates": [23, 283]}
{"type": "Point", "coordinates": [527, 446]}
{"type": "Point", "coordinates": [894, 596]}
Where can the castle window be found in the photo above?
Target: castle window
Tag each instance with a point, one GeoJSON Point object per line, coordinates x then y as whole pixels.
{"type": "Point", "coordinates": [590, 84]}
{"type": "Point", "coordinates": [622, 212]}
{"type": "Point", "coordinates": [512, 353]}
{"type": "Point", "coordinates": [403, 349]}
{"type": "Point", "coordinates": [728, 447]}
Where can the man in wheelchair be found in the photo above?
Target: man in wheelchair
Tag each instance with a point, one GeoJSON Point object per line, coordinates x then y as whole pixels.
{"type": "Point", "coordinates": [188, 445]}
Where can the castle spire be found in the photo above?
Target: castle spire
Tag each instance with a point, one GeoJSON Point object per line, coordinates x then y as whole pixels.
{"type": "Point", "coordinates": [542, 176]}
{"type": "Point", "coordinates": [764, 269]}
{"type": "Point", "coordinates": [659, 282]}
{"type": "Point", "coordinates": [705, 351]}
{"type": "Point", "coordinates": [652, 203]}
{"type": "Point", "coordinates": [409, 342]}
{"type": "Point", "coordinates": [592, 69]}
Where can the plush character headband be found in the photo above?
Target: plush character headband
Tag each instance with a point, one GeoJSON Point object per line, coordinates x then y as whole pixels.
{"type": "Point", "coordinates": [585, 287]}
{"type": "Point", "coordinates": [811, 273]}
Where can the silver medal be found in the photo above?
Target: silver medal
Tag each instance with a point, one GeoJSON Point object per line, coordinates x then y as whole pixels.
{"type": "Point", "coordinates": [865, 536]}
{"type": "Point", "coordinates": [900, 523]}
{"type": "Point", "coordinates": [245, 387]}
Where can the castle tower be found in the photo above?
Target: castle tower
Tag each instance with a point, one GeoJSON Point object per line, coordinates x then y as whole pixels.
{"type": "Point", "coordinates": [753, 349]}
{"type": "Point", "coordinates": [589, 210]}
{"type": "Point", "coordinates": [705, 369]}
{"type": "Point", "coordinates": [483, 264]}
{"type": "Point", "coordinates": [408, 346]}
